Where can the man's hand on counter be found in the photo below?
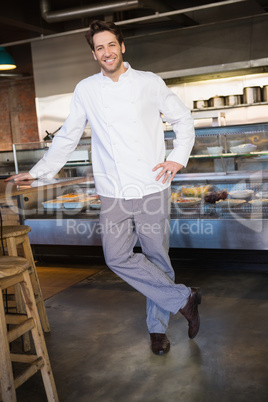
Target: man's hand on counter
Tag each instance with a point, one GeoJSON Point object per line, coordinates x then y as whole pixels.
{"type": "Point", "coordinates": [20, 177]}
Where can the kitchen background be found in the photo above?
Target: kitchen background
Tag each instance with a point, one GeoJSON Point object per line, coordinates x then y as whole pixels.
{"type": "Point", "coordinates": [219, 50]}
{"type": "Point", "coordinates": [202, 50]}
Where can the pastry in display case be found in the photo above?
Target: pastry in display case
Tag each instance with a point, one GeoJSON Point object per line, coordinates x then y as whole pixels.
{"type": "Point", "coordinates": [73, 201]}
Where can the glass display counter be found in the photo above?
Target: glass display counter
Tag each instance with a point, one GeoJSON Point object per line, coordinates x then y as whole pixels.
{"type": "Point", "coordinates": [219, 201]}
{"type": "Point", "coordinates": [26, 155]}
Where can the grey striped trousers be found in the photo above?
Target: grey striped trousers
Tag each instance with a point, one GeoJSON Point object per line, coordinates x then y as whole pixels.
{"type": "Point", "coordinates": [146, 219]}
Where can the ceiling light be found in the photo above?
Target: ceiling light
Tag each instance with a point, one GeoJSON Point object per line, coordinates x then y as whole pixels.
{"type": "Point", "coordinates": [6, 61]}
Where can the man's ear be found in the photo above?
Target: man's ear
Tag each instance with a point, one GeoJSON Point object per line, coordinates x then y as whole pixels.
{"type": "Point", "coordinates": [123, 49]}
{"type": "Point", "coordinates": [95, 58]}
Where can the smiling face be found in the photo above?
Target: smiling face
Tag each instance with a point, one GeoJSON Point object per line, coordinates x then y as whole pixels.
{"type": "Point", "coordinates": [109, 54]}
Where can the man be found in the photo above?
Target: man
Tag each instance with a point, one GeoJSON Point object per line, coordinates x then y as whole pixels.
{"type": "Point", "coordinates": [123, 107]}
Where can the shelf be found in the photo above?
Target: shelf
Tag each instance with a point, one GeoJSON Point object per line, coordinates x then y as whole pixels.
{"type": "Point", "coordinates": [207, 109]}
{"type": "Point", "coordinates": [214, 177]}
{"type": "Point", "coordinates": [228, 155]}
{"type": "Point", "coordinates": [216, 115]}
{"type": "Point", "coordinates": [77, 164]}
{"type": "Point", "coordinates": [224, 130]}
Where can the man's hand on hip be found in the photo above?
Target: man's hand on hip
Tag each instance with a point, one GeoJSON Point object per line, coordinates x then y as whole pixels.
{"type": "Point", "coordinates": [169, 170]}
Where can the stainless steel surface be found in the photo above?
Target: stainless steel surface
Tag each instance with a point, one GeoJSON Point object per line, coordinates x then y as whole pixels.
{"type": "Point", "coordinates": [215, 177]}
{"type": "Point", "coordinates": [7, 165]}
{"type": "Point", "coordinates": [200, 104]}
{"type": "Point", "coordinates": [252, 95]}
{"type": "Point", "coordinates": [232, 100]}
{"type": "Point", "coordinates": [214, 72]}
{"type": "Point", "coordinates": [216, 101]}
{"type": "Point", "coordinates": [84, 11]}
{"type": "Point", "coordinates": [15, 158]}
{"type": "Point", "coordinates": [104, 8]}
{"type": "Point", "coordinates": [182, 11]}
{"type": "Point", "coordinates": [265, 93]}
{"type": "Point", "coordinates": [26, 155]}
{"type": "Point", "coordinates": [73, 232]}
{"type": "Point", "coordinates": [233, 234]}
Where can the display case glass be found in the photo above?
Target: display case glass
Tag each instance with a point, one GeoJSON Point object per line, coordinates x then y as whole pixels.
{"type": "Point", "coordinates": [26, 155]}
{"type": "Point", "coordinates": [220, 200]}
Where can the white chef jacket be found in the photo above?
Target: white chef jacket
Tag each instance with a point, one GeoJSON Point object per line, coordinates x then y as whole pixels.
{"type": "Point", "coordinates": [127, 132]}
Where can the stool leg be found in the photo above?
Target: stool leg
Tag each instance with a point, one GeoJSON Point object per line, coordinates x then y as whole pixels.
{"type": "Point", "coordinates": [36, 285]}
{"type": "Point", "coordinates": [38, 338]}
{"type": "Point", "coordinates": [12, 251]}
{"type": "Point", "coordinates": [6, 374]}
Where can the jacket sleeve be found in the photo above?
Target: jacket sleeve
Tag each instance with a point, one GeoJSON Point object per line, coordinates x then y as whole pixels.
{"type": "Point", "coordinates": [179, 116]}
{"type": "Point", "coordinates": [64, 142]}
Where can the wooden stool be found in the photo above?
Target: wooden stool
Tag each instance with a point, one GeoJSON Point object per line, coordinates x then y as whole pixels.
{"type": "Point", "coordinates": [13, 236]}
{"type": "Point", "coordinates": [15, 271]}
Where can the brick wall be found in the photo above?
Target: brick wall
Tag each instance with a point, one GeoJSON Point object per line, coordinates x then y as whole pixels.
{"type": "Point", "coordinates": [5, 132]}
{"type": "Point", "coordinates": [18, 121]}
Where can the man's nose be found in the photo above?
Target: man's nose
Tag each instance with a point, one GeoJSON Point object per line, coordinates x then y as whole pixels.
{"type": "Point", "coordinates": [107, 51]}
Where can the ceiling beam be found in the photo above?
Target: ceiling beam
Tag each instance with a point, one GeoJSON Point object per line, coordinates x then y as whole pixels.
{"type": "Point", "coordinates": [160, 6]}
{"type": "Point", "coordinates": [84, 11]}
{"type": "Point", "coordinates": [23, 25]}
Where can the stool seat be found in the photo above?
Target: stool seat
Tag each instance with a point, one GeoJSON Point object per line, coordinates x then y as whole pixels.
{"type": "Point", "coordinates": [10, 266]}
{"type": "Point", "coordinates": [14, 231]}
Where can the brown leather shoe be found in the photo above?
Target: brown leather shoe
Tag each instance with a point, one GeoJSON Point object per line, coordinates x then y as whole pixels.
{"type": "Point", "coordinates": [190, 312]}
{"type": "Point", "coordinates": [160, 343]}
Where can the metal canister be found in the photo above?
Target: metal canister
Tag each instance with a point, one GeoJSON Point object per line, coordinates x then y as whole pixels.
{"type": "Point", "coordinates": [252, 95]}
{"type": "Point", "coordinates": [265, 93]}
{"type": "Point", "coordinates": [216, 101]}
{"type": "Point", "coordinates": [233, 100]}
{"type": "Point", "coordinates": [200, 104]}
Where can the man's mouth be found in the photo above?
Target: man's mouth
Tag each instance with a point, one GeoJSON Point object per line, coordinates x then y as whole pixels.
{"type": "Point", "coordinates": [109, 61]}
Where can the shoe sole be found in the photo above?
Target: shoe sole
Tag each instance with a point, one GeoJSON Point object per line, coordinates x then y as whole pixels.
{"type": "Point", "coordinates": [161, 352]}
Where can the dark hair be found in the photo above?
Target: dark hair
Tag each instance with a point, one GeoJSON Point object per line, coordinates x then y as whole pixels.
{"type": "Point", "coordinates": [97, 26]}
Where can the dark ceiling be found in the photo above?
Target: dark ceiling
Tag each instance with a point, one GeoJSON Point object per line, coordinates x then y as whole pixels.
{"type": "Point", "coordinates": [24, 21]}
